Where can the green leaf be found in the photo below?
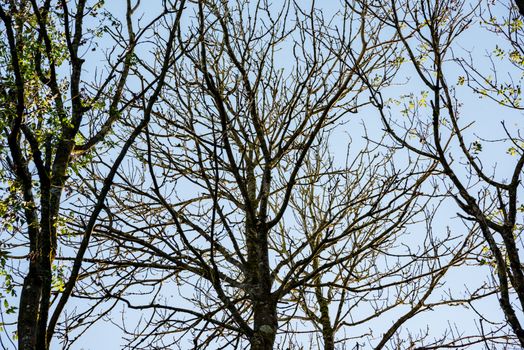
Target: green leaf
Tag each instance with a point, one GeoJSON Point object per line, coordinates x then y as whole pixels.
{"type": "Point", "coordinates": [476, 146]}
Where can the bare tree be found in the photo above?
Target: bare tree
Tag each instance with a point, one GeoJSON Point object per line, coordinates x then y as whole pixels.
{"type": "Point", "coordinates": [212, 176]}
{"type": "Point", "coordinates": [487, 197]}
{"type": "Point", "coordinates": [381, 274]}
{"type": "Point", "coordinates": [235, 204]}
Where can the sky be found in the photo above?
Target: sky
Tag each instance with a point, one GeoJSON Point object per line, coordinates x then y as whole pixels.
{"type": "Point", "coordinates": [486, 116]}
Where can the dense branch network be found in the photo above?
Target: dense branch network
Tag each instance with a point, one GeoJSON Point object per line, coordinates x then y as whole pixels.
{"type": "Point", "coordinates": [240, 174]}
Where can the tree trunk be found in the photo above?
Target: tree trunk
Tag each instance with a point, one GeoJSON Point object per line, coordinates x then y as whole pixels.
{"type": "Point", "coordinates": [503, 278]}
{"type": "Point", "coordinates": [327, 330]}
{"type": "Point", "coordinates": [328, 334]}
{"type": "Point", "coordinates": [265, 325]}
{"type": "Point", "coordinates": [264, 305]}
{"type": "Point", "coordinates": [41, 339]}
{"type": "Point", "coordinates": [36, 292]}
{"type": "Point", "coordinates": [29, 308]}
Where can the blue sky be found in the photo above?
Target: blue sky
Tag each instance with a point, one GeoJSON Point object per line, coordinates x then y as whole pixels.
{"type": "Point", "coordinates": [485, 114]}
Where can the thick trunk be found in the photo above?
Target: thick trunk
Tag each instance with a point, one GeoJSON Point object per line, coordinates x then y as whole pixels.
{"type": "Point", "coordinates": [36, 293]}
{"type": "Point", "coordinates": [265, 322]}
{"type": "Point", "coordinates": [264, 306]}
{"type": "Point", "coordinates": [329, 340]}
{"type": "Point", "coordinates": [34, 305]}
{"type": "Point", "coordinates": [28, 315]}
{"type": "Point", "coordinates": [265, 327]}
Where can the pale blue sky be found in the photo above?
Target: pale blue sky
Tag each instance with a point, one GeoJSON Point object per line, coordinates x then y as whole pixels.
{"type": "Point", "coordinates": [487, 116]}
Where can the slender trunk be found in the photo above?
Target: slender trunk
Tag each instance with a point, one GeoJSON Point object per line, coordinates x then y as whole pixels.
{"type": "Point", "coordinates": [328, 334]}
{"type": "Point", "coordinates": [41, 340]}
{"type": "Point", "coordinates": [512, 252]}
{"type": "Point", "coordinates": [29, 308]}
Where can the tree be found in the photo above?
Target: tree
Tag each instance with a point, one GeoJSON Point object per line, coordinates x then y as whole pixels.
{"type": "Point", "coordinates": [487, 197]}
{"type": "Point", "coordinates": [211, 174]}
{"type": "Point", "coordinates": [235, 196]}
{"type": "Point", "coordinates": [53, 116]}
